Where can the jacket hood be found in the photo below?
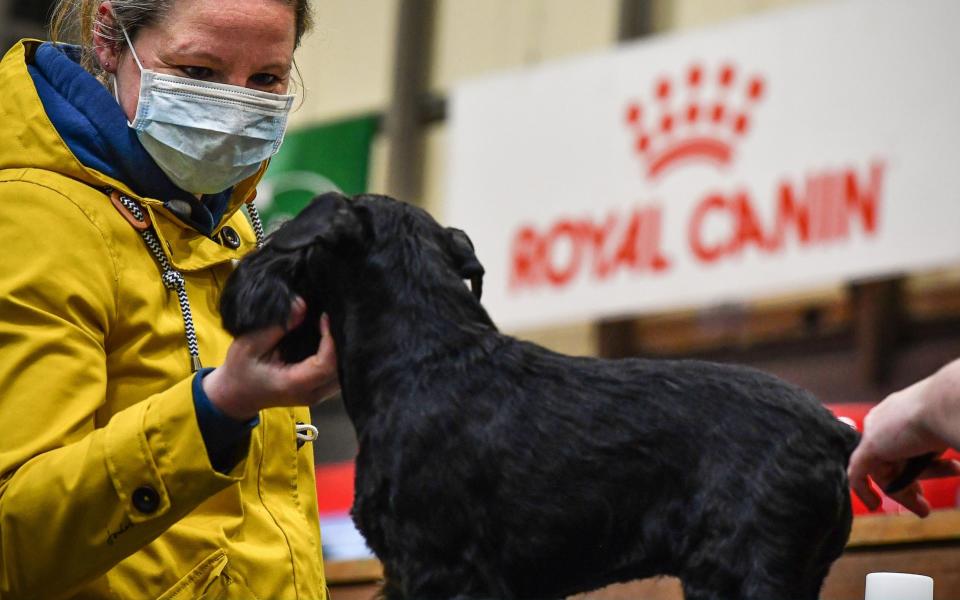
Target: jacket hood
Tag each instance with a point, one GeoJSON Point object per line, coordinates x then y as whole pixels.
{"type": "Point", "coordinates": [57, 117]}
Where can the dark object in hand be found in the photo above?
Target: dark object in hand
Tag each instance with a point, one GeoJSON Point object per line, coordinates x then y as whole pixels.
{"type": "Point", "coordinates": [914, 467]}
{"type": "Point", "coordinates": [490, 467]}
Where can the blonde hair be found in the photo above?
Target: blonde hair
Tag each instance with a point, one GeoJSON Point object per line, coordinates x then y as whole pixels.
{"type": "Point", "coordinates": [73, 21]}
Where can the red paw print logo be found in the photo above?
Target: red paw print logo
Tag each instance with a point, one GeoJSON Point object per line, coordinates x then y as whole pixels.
{"type": "Point", "coordinates": [700, 116]}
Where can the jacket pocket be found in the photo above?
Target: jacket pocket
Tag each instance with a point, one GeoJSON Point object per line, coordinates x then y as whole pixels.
{"type": "Point", "coordinates": [209, 580]}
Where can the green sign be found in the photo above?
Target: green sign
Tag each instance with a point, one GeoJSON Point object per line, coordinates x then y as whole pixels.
{"type": "Point", "coordinates": [329, 157]}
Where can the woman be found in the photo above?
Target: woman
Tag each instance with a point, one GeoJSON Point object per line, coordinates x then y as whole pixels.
{"type": "Point", "coordinates": [126, 470]}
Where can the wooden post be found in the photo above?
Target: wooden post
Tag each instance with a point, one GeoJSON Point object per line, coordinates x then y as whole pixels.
{"type": "Point", "coordinates": [404, 121]}
{"type": "Point", "coordinates": [636, 19]}
{"type": "Point", "coordinates": [878, 320]}
{"type": "Point", "coordinates": [617, 338]}
{"type": "Point", "coordinates": [7, 33]}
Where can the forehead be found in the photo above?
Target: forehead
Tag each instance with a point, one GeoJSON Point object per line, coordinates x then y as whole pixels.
{"type": "Point", "coordinates": [259, 27]}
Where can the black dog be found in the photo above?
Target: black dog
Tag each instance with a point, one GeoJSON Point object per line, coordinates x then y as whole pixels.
{"type": "Point", "coordinates": [490, 467]}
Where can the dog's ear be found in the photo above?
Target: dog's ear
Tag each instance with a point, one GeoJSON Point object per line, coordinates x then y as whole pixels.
{"type": "Point", "coordinates": [465, 259]}
{"type": "Point", "coordinates": [255, 295]}
{"type": "Point", "coordinates": [329, 220]}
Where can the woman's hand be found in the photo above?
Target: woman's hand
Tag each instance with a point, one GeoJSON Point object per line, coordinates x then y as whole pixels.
{"type": "Point", "coordinates": [254, 377]}
{"type": "Point", "coordinates": [895, 430]}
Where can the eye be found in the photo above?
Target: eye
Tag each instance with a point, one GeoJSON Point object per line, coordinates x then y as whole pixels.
{"type": "Point", "coordinates": [266, 80]}
{"type": "Point", "coordinates": [197, 72]}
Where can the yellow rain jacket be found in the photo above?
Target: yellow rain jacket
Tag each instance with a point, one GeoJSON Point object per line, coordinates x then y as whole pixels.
{"type": "Point", "coordinates": [106, 490]}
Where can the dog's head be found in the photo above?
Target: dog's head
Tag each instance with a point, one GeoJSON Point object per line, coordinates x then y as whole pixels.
{"type": "Point", "coordinates": [338, 247]}
{"type": "Point", "coordinates": [416, 244]}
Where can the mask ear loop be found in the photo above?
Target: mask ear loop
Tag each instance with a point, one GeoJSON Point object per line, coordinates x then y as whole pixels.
{"type": "Point", "coordinates": [116, 88]}
{"type": "Point", "coordinates": [130, 45]}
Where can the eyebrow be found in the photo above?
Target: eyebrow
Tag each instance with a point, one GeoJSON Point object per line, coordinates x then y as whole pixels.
{"type": "Point", "coordinates": [218, 62]}
{"type": "Point", "coordinates": [285, 67]}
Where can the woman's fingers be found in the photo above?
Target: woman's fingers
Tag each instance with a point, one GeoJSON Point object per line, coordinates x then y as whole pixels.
{"type": "Point", "coordinates": [327, 352]}
{"type": "Point", "coordinates": [298, 310]}
{"type": "Point", "coordinates": [316, 375]}
{"type": "Point", "coordinates": [327, 356]}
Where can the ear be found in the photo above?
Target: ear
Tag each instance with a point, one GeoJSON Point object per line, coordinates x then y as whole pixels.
{"type": "Point", "coordinates": [105, 46]}
{"type": "Point", "coordinates": [329, 220]}
{"type": "Point", "coordinates": [465, 260]}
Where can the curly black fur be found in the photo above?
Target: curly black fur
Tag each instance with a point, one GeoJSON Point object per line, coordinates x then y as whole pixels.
{"type": "Point", "coordinates": [490, 467]}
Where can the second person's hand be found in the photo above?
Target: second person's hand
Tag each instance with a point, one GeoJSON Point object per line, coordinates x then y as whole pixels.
{"type": "Point", "coordinates": [894, 431]}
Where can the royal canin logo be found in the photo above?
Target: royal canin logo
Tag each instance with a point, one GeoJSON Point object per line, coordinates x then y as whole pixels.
{"type": "Point", "coordinates": [700, 116]}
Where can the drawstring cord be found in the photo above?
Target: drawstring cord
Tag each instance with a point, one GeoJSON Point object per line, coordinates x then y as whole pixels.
{"type": "Point", "coordinates": [257, 223]}
{"type": "Point", "coordinates": [307, 432]}
{"type": "Point", "coordinates": [172, 279]}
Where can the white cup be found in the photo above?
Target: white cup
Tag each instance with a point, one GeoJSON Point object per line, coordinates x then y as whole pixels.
{"type": "Point", "coordinates": [898, 586]}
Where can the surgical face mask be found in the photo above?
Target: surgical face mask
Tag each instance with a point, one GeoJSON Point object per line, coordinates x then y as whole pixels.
{"type": "Point", "coordinates": [206, 136]}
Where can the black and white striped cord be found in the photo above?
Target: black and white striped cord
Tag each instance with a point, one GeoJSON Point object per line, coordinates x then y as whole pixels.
{"type": "Point", "coordinates": [256, 222]}
{"type": "Point", "coordinates": [172, 280]}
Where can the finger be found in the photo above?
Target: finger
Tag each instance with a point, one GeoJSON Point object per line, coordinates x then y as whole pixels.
{"type": "Point", "coordinates": [326, 352]}
{"type": "Point", "coordinates": [912, 499]}
{"type": "Point", "coordinates": [298, 311]}
{"type": "Point", "coordinates": [860, 481]}
{"type": "Point", "coordinates": [316, 376]}
{"type": "Point", "coordinates": [325, 349]}
{"type": "Point", "coordinates": [261, 342]}
{"type": "Point", "coordinates": [867, 493]}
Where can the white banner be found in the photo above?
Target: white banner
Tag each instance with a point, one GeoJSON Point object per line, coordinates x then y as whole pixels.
{"type": "Point", "coordinates": [790, 150]}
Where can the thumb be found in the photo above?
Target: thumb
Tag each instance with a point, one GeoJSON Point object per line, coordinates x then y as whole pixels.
{"type": "Point", "coordinates": [326, 349]}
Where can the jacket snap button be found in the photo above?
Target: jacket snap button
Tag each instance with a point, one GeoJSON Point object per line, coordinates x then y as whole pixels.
{"type": "Point", "coordinates": [146, 499]}
{"type": "Point", "coordinates": [231, 239]}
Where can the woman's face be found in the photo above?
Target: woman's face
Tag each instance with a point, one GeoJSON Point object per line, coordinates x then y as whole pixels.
{"type": "Point", "coordinates": [247, 43]}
